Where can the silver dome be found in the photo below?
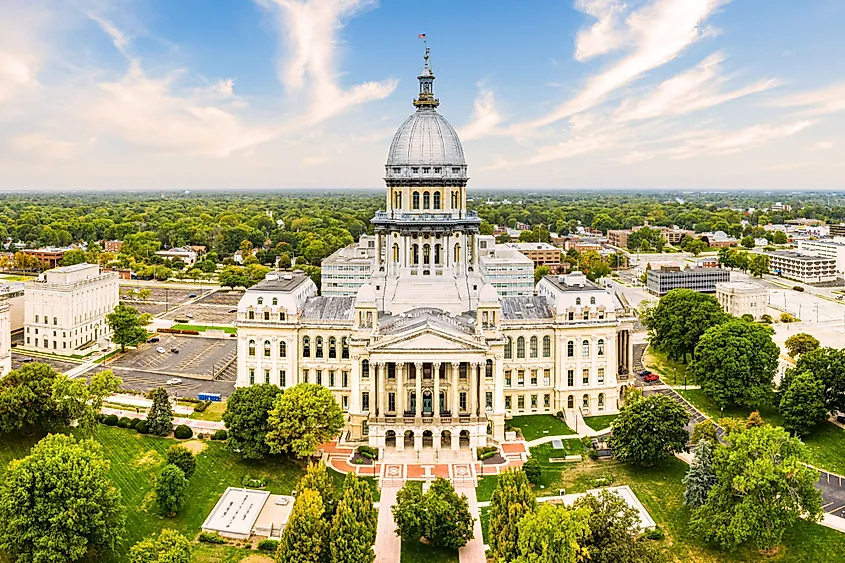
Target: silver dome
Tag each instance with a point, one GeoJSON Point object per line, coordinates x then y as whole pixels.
{"type": "Point", "coordinates": [426, 138]}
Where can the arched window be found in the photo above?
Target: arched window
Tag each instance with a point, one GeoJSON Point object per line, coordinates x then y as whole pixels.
{"type": "Point", "coordinates": [344, 348]}
{"type": "Point", "coordinates": [547, 346]}
{"type": "Point", "coordinates": [488, 369]}
{"type": "Point", "coordinates": [592, 300]}
{"type": "Point", "coordinates": [520, 347]}
{"type": "Point", "coordinates": [395, 252]}
{"type": "Point", "coordinates": [416, 200]}
{"type": "Point", "coordinates": [252, 347]}
{"type": "Point", "coordinates": [365, 368]}
{"type": "Point", "coordinates": [306, 347]}
{"type": "Point", "coordinates": [437, 200]}
{"type": "Point", "coordinates": [283, 349]}
{"type": "Point", "coordinates": [508, 348]}
{"type": "Point", "coordinates": [577, 300]}
{"type": "Point", "coordinates": [261, 301]}
{"type": "Point", "coordinates": [275, 301]}
{"type": "Point", "coordinates": [426, 200]}
{"type": "Point", "coordinates": [601, 400]}
{"type": "Point", "coordinates": [426, 254]}
{"type": "Point", "coordinates": [332, 347]}
{"type": "Point", "coordinates": [585, 348]}
{"type": "Point", "coordinates": [570, 402]}
{"type": "Point", "coordinates": [533, 347]}
{"type": "Point", "coordinates": [437, 254]}
{"type": "Point", "coordinates": [601, 347]}
{"type": "Point", "coordinates": [585, 401]}
{"type": "Point", "coordinates": [415, 254]}
{"type": "Point", "coordinates": [318, 345]}
{"type": "Point", "coordinates": [266, 348]}
{"type": "Point", "coordinates": [457, 253]}
{"type": "Point", "coordinates": [570, 349]}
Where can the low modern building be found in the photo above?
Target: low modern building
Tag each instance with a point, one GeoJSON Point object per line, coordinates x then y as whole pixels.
{"type": "Point", "coordinates": [541, 253]}
{"type": "Point", "coordinates": [243, 513]}
{"type": "Point", "coordinates": [662, 281]}
{"type": "Point", "coordinates": [348, 268]}
{"type": "Point", "coordinates": [508, 270]}
{"type": "Point", "coordinates": [718, 239]}
{"type": "Point", "coordinates": [65, 309]}
{"type": "Point", "coordinates": [837, 230]}
{"type": "Point", "coordinates": [742, 298]}
{"type": "Point", "coordinates": [50, 256]}
{"type": "Point", "coordinates": [673, 235]}
{"type": "Point", "coordinates": [829, 248]}
{"type": "Point", "coordinates": [805, 268]}
{"type": "Point", "coordinates": [186, 255]}
{"type": "Point", "coordinates": [112, 246]}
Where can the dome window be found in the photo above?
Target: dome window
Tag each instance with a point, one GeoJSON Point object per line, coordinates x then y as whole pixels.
{"type": "Point", "coordinates": [437, 170]}
{"type": "Point", "coordinates": [397, 170]}
{"type": "Point", "coordinates": [426, 170]}
{"type": "Point", "coordinates": [456, 170]}
{"type": "Point", "coordinates": [415, 170]}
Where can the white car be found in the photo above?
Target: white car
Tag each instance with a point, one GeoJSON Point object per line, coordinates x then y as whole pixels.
{"type": "Point", "coordinates": [174, 381]}
{"type": "Point", "coordinates": [190, 315]}
{"type": "Point", "coordinates": [160, 350]}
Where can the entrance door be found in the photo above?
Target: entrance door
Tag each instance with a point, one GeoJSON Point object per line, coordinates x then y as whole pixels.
{"type": "Point", "coordinates": [413, 402]}
{"type": "Point", "coordinates": [427, 406]}
{"type": "Point", "coordinates": [442, 402]}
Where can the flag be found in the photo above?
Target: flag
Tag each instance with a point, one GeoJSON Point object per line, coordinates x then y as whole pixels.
{"type": "Point", "coordinates": [421, 36]}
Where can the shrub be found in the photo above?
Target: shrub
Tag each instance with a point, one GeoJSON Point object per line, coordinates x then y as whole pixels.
{"type": "Point", "coordinates": [254, 482]}
{"type": "Point", "coordinates": [532, 470]}
{"type": "Point", "coordinates": [654, 534]}
{"type": "Point", "coordinates": [587, 442]}
{"type": "Point", "coordinates": [183, 432]}
{"type": "Point", "coordinates": [368, 452]}
{"type": "Point", "coordinates": [220, 435]}
{"type": "Point", "coordinates": [134, 422]}
{"type": "Point", "coordinates": [767, 319]}
{"type": "Point", "coordinates": [358, 461]}
{"type": "Point", "coordinates": [141, 427]}
{"type": "Point", "coordinates": [797, 288]}
{"type": "Point", "coordinates": [123, 422]}
{"type": "Point", "coordinates": [786, 318]}
{"type": "Point", "coordinates": [592, 454]}
{"type": "Point", "coordinates": [100, 416]}
{"type": "Point", "coordinates": [486, 452]}
{"type": "Point", "coordinates": [208, 537]}
{"type": "Point", "coordinates": [559, 414]}
{"type": "Point", "coordinates": [268, 545]}
{"type": "Point", "coordinates": [201, 406]}
{"type": "Point", "coordinates": [486, 455]}
{"type": "Point", "coordinates": [110, 420]}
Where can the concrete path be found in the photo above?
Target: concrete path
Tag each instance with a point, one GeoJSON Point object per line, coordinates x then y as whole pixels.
{"type": "Point", "coordinates": [201, 425]}
{"type": "Point", "coordinates": [473, 552]}
{"type": "Point", "coordinates": [388, 545]}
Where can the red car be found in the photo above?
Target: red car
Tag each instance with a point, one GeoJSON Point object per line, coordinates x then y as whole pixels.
{"type": "Point", "coordinates": [651, 377]}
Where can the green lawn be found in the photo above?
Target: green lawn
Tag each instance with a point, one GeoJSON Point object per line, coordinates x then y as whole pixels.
{"type": "Point", "coordinates": [600, 422]}
{"type": "Point", "coordinates": [416, 552]}
{"type": "Point", "coordinates": [535, 426]}
{"type": "Point", "coordinates": [670, 371]}
{"type": "Point", "coordinates": [214, 413]}
{"type": "Point", "coordinates": [203, 328]}
{"type": "Point", "coordinates": [208, 553]}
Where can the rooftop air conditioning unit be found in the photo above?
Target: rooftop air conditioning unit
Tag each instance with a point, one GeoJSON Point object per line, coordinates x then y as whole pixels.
{"type": "Point", "coordinates": [288, 277]}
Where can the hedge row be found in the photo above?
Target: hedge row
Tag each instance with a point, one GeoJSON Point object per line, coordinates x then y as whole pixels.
{"type": "Point", "coordinates": [179, 331]}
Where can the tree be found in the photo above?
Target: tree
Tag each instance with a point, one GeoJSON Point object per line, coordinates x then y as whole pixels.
{"type": "Point", "coordinates": [168, 547]}
{"type": "Point", "coordinates": [353, 528]}
{"type": "Point", "coordinates": [649, 430]}
{"type": "Point", "coordinates": [802, 404]}
{"type": "Point", "coordinates": [787, 318]}
{"type": "Point", "coordinates": [696, 246]}
{"type": "Point", "coordinates": [160, 415]}
{"type": "Point", "coordinates": [553, 534]}
{"type": "Point", "coordinates": [762, 489]}
{"type": "Point", "coordinates": [303, 417]}
{"type": "Point", "coordinates": [233, 276]}
{"type": "Point", "coordinates": [540, 272]}
{"type": "Point", "coordinates": [747, 242]}
{"type": "Point", "coordinates": [704, 430]}
{"type": "Point", "coordinates": [73, 257]}
{"type": "Point", "coordinates": [26, 398]}
{"type": "Point", "coordinates": [305, 538]}
{"type": "Point", "coordinates": [828, 366]}
{"type": "Point", "coordinates": [604, 222]}
{"type": "Point", "coordinates": [440, 515]}
{"type": "Point", "coordinates": [126, 325]}
{"type": "Point", "coordinates": [170, 490]}
{"type": "Point", "coordinates": [780, 238]}
{"type": "Point", "coordinates": [317, 478]}
{"type": "Point", "coordinates": [406, 512]}
{"type": "Point", "coordinates": [511, 500]}
{"type": "Point", "coordinates": [181, 457]}
{"type": "Point", "coordinates": [758, 264]}
{"type": "Point", "coordinates": [58, 505]}
{"type": "Point", "coordinates": [532, 470]}
{"type": "Point", "coordinates": [700, 477]}
{"type": "Point", "coordinates": [247, 410]}
{"type": "Point", "coordinates": [610, 536]}
{"type": "Point", "coordinates": [679, 320]}
{"type": "Point", "coordinates": [799, 343]}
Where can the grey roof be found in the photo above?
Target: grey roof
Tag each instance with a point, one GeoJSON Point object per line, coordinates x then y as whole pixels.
{"type": "Point", "coordinates": [280, 283]}
{"type": "Point", "coordinates": [563, 286]}
{"type": "Point", "coordinates": [426, 138]}
{"type": "Point", "coordinates": [797, 256]}
{"type": "Point", "coordinates": [526, 307]}
{"type": "Point", "coordinates": [426, 316]}
{"type": "Point", "coordinates": [329, 308]}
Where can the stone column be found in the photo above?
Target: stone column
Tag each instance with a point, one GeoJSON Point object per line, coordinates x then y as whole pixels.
{"type": "Point", "coordinates": [378, 250]}
{"type": "Point", "coordinates": [355, 374]}
{"type": "Point", "coordinates": [471, 395]}
{"type": "Point", "coordinates": [456, 368]}
{"type": "Point", "coordinates": [629, 356]}
{"type": "Point", "coordinates": [400, 389]}
{"type": "Point", "coordinates": [435, 367]}
{"type": "Point", "coordinates": [418, 410]}
{"type": "Point", "coordinates": [478, 386]}
{"type": "Point", "coordinates": [376, 395]}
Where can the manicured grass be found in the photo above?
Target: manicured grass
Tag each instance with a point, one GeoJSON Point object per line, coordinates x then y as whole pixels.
{"type": "Point", "coordinates": [535, 426]}
{"type": "Point", "coordinates": [416, 552]}
{"type": "Point", "coordinates": [600, 422]}
{"type": "Point", "coordinates": [213, 413]}
{"type": "Point", "coordinates": [484, 517]}
{"type": "Point", "coordinates": [706, 405]}
{"type": "Point", "coordinates": [671, 372]}
{"type": "Point", "coordinates": [203, 328]}
{"type": "Point", "coordinates": [207, 553]}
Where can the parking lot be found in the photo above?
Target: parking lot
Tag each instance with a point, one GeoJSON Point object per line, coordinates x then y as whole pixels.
{"type": "Point", "coordinates": [161, 299]}
{"type": "Point", "coordinates": [832, 488]}
{"type": "Point", "coordinates": [196, 313]}
{"type": "Point", "coordinates": [58, 364]}
{"type": "Point", "coordinates": [201, 358]}
{"type": "Point", "coordinates": [143, 381]}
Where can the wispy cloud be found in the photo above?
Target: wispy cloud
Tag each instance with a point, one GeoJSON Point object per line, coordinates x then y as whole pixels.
{"type": "Point", "coordinates": [485, 117]}
{"type": "Point", "coordinates": [826, 100]}
{"type": "Point", "coordinates": [721, 142]}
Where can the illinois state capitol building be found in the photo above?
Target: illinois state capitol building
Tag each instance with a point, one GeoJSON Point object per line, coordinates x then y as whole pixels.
{"type": "Point", "coordinates": [428, 334]}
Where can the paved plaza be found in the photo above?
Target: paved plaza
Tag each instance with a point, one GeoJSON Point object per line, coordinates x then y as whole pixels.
{"type": "Point", "coordinates": [198, 357]}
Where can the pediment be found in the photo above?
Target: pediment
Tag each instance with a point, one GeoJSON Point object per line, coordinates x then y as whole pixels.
{"type": "Point", "coordinates": [428, 339]}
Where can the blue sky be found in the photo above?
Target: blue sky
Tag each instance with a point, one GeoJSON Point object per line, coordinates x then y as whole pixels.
{"type": "Point", "coordinates": [231, 94]}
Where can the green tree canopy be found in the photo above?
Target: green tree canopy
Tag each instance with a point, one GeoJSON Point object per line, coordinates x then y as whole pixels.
{"type": "Point", "coordinates": [800, 343]}
{"type": "Point", "coordinates": [181, 457]}
{"type": "Point", "coordinates": [127, 325]}
{"type": "Point", "coordinates": [160, 415]}
{"type": "Point", "coordinates": [58, 505]}
{"type": "Point", "coordinates": [700, 477]}
{"type": "Point", "coordinates": [828, 366]}
{"type": "Point", "coordinates": [247, 411]}
{"type": "Point", "coordinates": [802, 404]}
{"type": "Point", "coordinates": [170, 490]}
{"type": "Point", "coordinates": [439, 515]}
{"type": "Point", "coordinates": [168, 547]}
{"type": "Point", "coordinates": [304, 416]}
{"type": "Point", "coordinates": [73, 257]}
{"type": "Point", "coordinates": [758, 264]}
{"type": "Point", "coordinates": [317, 478]}
{"type": "Point", "coordinates": [735, 363]}
{"type": "Point", "coordinates": [649, 430]}
{"type": "Point", "coordinates": [305, 539]}
{"type": "Point", "coordinates": [553, 534]}
{"type": "Point", "coordinates": [679, 320]}
{"type": "Point", "coordinates": [353, 528]}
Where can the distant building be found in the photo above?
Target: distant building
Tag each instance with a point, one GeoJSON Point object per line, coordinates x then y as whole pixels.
{"type": "Point", "coordinates": [837, 230]}
{"type": "Point", "coordinates": [12, 293]}
{"type": "Point", "coordinates": [781, 207]}
{"type": "Point", "coordinates": [718, 239]}
{"type": "Point", "coordinates": [112, 246]}
{"type": "Point", "coordinates": [65, 309]}
{"type": "Point", "coordinates": [618, 237]}
{"type": "Point", "coordinates": [742, 298]}
{"type": "Point", "coordinates": [662, 281]}
{"type": "Point", "coordinates": [507, 269]}
{"type": "Point", "coordinates": [50, 256]}
{"type": "Point", "coordinates": [674, 235]}
{"type": "Point", "coordinates": [344, 271]}
{"type": "Point", "coordinates": [541, 253]}
{"type": "Point", "coordinates": [828, 248]}
{"type": "Point", "coordinates": [802, 267]}
{"type": "Point", "coordinates": [186, 255]}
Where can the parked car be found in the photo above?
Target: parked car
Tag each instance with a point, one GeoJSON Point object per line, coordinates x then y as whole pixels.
{"type": "Point", "coordinates": [651, 377]}
{"type": "Point", "coordinates": [189, 315]}
{"type": "Point", "coordinates": [160, 350]}
{"type": "Point", "coordinates": [233, 310]}
{"type": "Point", "coordinates": [27, 360]}
{"type": "Point", "coordinates": [174, 381]}
{"type": "Point", "coordinates": [175, 350]}
{"type": "Point", "coordinates": [192, 295]}
{"type": "Point", "coordinates": [840, 418]}
{"type": "Point", "coordinates": [154, 339]}
{"type": "Point", "coordinates": [644, 372]}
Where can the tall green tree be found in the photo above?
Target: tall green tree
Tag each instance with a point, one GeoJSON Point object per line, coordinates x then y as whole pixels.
{"type": "Point", "coordinates": [553, 534]}
{"type": "Point", "coordinates": [762, 489]}
{"type": "Point", "coordinates": [800, 343]}
{"type": "Point", "coordinates": [304, 416]}
{"type": "Point", "coordinates": [168, 547]}
{"type": "Point", "coordinates": [735, 363]}
{"type": "Point", "coordinates": [73, 257]}
{"type": "Point", "coordinates": [511, 500]}
{"type": "Point", "coordinates": [649, 430]}
{"type": "Point", "coordinates": [700, 477]}
{"type": "Point", "coordinates": [170, 490]}
{"type": "Point", "coordinates": [305, 539]}
{"type": "Point", "coordinates": [160, 415]}
{"type": "Point", "coordinates": [353, 528]}
{"type": "Point", "coordinates": [317, 478]}
{"type": "Point", "coordinates": [758, 265]}
{"type": "Point", "coordinates": [181, 457]}
{"type": "Point", "coordinates": [802, 405]}
{"type": "Point", "coordinates": [439, 515]}
{"type": "Point", "coordinates": [828, 366]}
{"type": "Point", "coordinates": [679, 320]}
{"type": "Point", "coordinates": [58, 505]}
{"type": "Point", "coordinates": [247, 411]}
{"type": "Point", "coordinates": [127, 325]}
{"type": "Point", "coordinates": [26, 398]}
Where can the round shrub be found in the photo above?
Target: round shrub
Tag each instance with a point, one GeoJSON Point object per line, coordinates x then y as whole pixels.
{"type": "Point", "coordinates": [655, 534]}
{"type": "Point", "coordinates": [110, 420]}
{"type": "Point", "coordinates": [141, 427]}
{"type": "Point", "coordinates": [134, 422]}
{"type": "Point", "coordinates": [123, 422]}
{"type": "Point", "coordinates": [220, 435]}
{"type": "Point", "coordinates": [532, 470]}
{"type": "Point", "coordinates": [183, 432]}
{"type": "Point", "coordinates": [268, 545]}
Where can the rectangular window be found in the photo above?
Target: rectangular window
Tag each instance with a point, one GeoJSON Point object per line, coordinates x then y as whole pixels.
{"type": "Point", "coordinates": [488, 400]}
{"type": "Point", "coordinates": [547, 377]}
{"type": "Point", "coordinates": [365, 401]}
{"type": "Point", "coordinates": [304, 376]}
{"type": "Point", "coordinates": [391, 402]}
{"type": "Point", "coordinates": [319, 377]}
{"type": "Point", "coordinates": [533, 401]}
{"type": "Point", "coordinates": [507, 378]}
{"type": "Point", "coordinates": [266, 376]}
{"type": "Point", "coordinates": [331, 378]}
{"type": "Point", "coordinates": [36, 318]}
{"type": "Point", "coordinates": [266, 315]}
{"type": "Point", "coordinates": [520, 378]}
{"type": "Point", "coordinates": [344, 379]}
{"type": "Point", "coordinates": [600, 376]}
{"type": "Point", "coordinates": [533, 377]}
{"type": "Point", "coordinates": [546, 401]}
{"type": "Point", "coordinates": [462, 371]}
{"type": "Point", "coordinates": [520, 402]}
{"type": "Point", "coordinates": [391, 371]}
{"type": "Point", "coordinates": [463, 400]}
{"type": "Point", "coordinates": [251, 376]}
{"type": "Point", "coordinates": [508, 402]}
{"type": "Point", "coordinates": [585, 377]}
{"type": "Point", "coordinates": [282, 378]}
{"type": "Point", "coordinates": [344, 402]}
{"type": "Point", "coordinates": [570, 377]}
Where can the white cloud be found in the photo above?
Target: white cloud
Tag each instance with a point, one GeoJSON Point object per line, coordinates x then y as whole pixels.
{"type": "Point", "coordinates": [43, 146]}
{"type": "Point", "coordinates": [719, 142]}
{"type": "Point", "coordinates": [823, 146]}
{"type": "Point", "coordinates": [827, 100]}
{"type": "Point", "coordinates": [485, 117]}
{"type": "Point", "coordinates": [604, 36]}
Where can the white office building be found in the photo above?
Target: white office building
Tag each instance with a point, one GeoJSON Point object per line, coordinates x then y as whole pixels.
{"type": "Point", "coordinates": [742, 298]}
{"type": "Point", "coordinates": [829, 248]}
{"type": "Point", "coordinates": [65, 309]}
{"type": "Point", "coordinates": [5, 338]}
{"type": "Point", "coordinates": [806, 268]}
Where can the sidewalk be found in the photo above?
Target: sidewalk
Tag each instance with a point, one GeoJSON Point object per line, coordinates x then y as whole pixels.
{"type": "Point", "coordinates": [472, 552]}
{"type": "Point", "coordinates": [388, 545]}
{"type": "Point", "coordinates": [201, 425]}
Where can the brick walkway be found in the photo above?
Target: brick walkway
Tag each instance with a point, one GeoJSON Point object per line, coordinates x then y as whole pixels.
{"type": "Point", "coordinates": [388, 545]}
{"type": "Point", "coordinates": [473, 552]}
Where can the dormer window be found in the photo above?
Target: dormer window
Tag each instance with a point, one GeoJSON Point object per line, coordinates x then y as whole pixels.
{"type": "Point", "coordinates": [577, 300]}
{"type": "Point", "coordinates": [261, 301]}
{"type": "Point", "coordinates": [456, 170]}
{"type": "Point", "coordinates": [415, 170]}
{"type": "Point", "coordinates": [437, 170]}
{"type": "Point", "coordinates": [275, 301]}
{"type": "Point", "coordinates": [397, 170]}
{"type": "Point", "coordinates": [592, 300]}
{"type": "Point", "coordinates": [426, 170]}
